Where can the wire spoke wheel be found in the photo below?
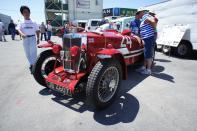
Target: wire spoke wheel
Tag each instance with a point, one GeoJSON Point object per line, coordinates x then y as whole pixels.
{"type": "Point", "coordinates": [103, 83]}
{"type": "Point", "coordinates": [108, 84]}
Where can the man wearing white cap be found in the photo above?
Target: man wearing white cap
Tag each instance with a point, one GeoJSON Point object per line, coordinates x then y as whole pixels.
{"type": "Point", "coordinates": [147, 34]}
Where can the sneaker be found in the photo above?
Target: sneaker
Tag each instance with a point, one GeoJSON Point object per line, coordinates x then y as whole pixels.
{"type": "Point", "coordinates": [140, 69]}
{"type": "Point", "coordinates": [146, 72]}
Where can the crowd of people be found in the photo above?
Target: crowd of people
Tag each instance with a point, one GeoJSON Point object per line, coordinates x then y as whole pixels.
{"type": "Point", "coordinates": [45, 30]}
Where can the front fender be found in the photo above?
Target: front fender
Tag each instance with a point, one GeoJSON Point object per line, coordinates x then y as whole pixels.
{"type": "Point", "coordinates": [107, 53]}
{"type": "Point", "coordinates": [46, 45]}
{"type": "Point", "coordinates": [113, 54]}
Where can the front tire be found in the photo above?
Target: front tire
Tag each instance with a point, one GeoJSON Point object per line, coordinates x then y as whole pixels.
{"type": "Point", "coordinates": [103, 83]}
{"type": "Point", "coordinates": [43, 66]}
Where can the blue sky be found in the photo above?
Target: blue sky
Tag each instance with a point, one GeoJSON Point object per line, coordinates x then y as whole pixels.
{"type": "Point", "coordinates": [11, 7]}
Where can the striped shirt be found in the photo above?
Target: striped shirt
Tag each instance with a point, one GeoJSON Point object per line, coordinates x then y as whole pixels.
{"type": "Point", "coordinates": [146, 30]}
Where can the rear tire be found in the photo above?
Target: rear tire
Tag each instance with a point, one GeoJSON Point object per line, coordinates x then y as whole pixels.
{"type": "Point", "coordinates": [103, 83]}
{"type": "Point", "coordinates": [184, 49]}
{"type": "Point", "coordinates": [43, 66]}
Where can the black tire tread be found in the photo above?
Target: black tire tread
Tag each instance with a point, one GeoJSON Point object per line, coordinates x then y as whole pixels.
{"type": "Point", "coordinates": [188, 44]}
{"type": "Point", "coordinates": [92, 81]}
{"type": "Point", "coordinates": [36, 69]}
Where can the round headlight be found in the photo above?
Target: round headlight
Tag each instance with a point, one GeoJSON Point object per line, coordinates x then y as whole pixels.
{"type": "Point", "coordinates": [74, 51]}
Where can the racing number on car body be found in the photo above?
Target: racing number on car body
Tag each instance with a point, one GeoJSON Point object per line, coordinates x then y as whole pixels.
{"type": "Point", "coordinates": [126, 42]}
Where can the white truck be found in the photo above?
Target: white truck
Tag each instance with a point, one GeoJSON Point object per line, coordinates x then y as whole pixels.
{"type": "Point", "coordinates": [177, 27]}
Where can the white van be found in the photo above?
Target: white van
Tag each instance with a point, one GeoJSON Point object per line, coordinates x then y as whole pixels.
{"type": "Point", "coordinates": [92, 24]}
{"type": "Point", "coordinates": [177, 27]}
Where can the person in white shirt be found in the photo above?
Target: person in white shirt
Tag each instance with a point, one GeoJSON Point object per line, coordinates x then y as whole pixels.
{"type": "Point", "coordinates": [2, 30]}
{"type": "Point", "coordinates": [29, 30]}
{"type": "Point", "coordinates": [49, 30]}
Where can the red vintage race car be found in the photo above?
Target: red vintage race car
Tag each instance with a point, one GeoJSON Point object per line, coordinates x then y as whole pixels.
{"type": "Point", "coordinates": [92, 61]}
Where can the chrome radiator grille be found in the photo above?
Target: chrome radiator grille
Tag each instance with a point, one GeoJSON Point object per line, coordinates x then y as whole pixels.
{"type": "Point", "coordinates": [70, 40]}
{"type": "Point", "coordinates": [71, 64]}
{"type": "Point", "coordinates": [67, 61]}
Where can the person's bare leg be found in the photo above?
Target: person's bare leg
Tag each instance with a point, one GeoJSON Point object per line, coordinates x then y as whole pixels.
{"type": "Point", "coordinates": [149, 63]}
{"type": "Point", "coordinates": [145, 63]}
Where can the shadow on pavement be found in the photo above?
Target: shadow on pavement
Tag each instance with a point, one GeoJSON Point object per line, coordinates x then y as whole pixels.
{"type": "Point", "coordinates": [76, 103]}
{"type": "Point", "coordinates": [193, 56]}
{"type": "Point", "coordinates": [134, 78]}
{"type": "Point", "coordinates": [157, 72]}
{"type": "Point", "coordinates": [45, 92]}
{"type": "Point", "coordinates": [124, 109]}
{"type": "Point", "coordinates": [163, 60]}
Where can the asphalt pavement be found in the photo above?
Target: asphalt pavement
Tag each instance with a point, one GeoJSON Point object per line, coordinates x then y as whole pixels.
{"type": "Point", "coordinates": [165, 101]}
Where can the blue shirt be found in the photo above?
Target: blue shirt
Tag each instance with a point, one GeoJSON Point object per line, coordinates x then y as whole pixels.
{"type": "Point", "coordinates": [146, 30]}
{"type": "Point", "coordinates": [135, 27]}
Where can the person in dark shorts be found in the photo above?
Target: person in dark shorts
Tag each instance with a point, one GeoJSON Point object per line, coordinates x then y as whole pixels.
{"type": "Point", "coordinates": [12, 29]}
{"type": "Point", "coordinates": [147, 34]}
